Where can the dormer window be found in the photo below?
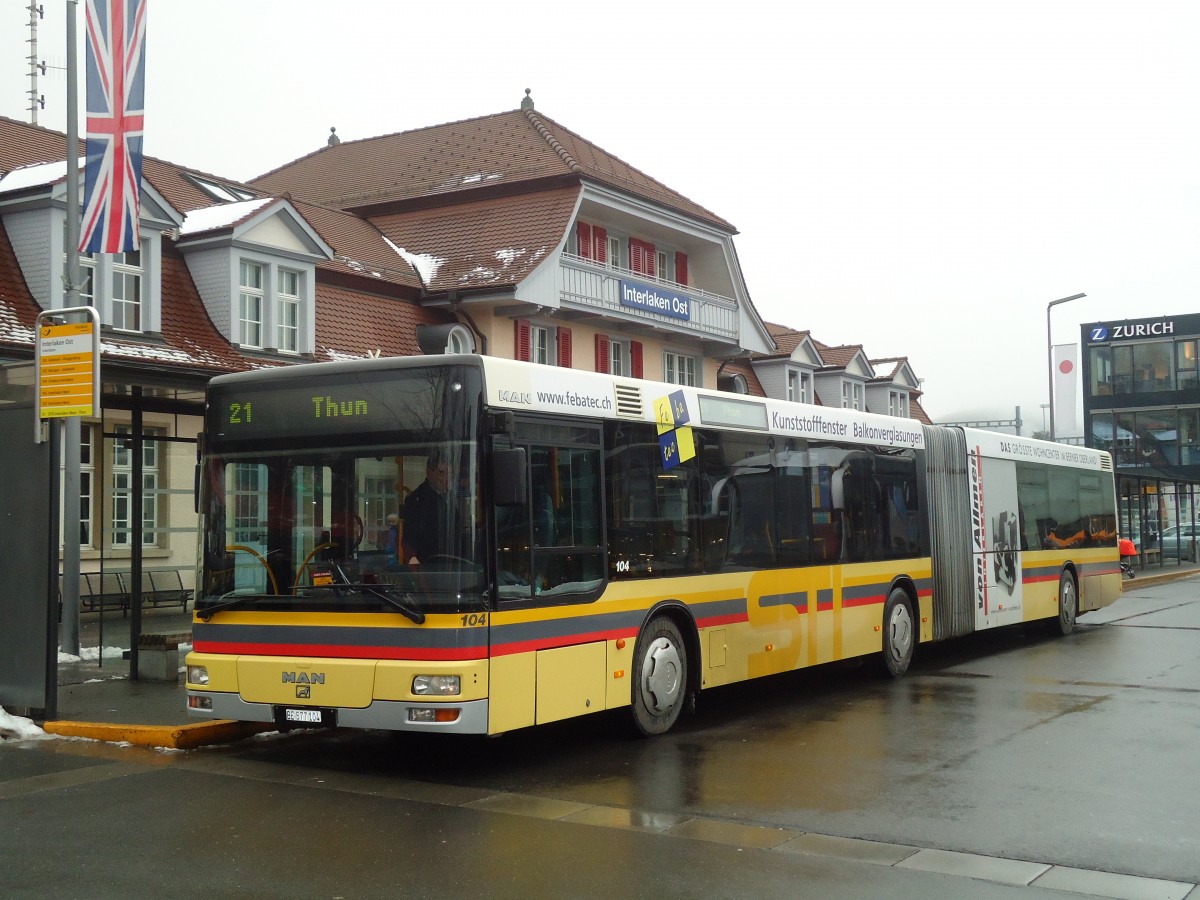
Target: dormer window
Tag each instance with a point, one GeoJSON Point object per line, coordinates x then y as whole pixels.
{"type": "Point", "coordinates": [122, 306]}
{"type": "Point", "coordinates": [222, 193]}
{"type": "Point", "coordinates": [898, 404]}
{"type": "Point", "coordinates": [799, 386]}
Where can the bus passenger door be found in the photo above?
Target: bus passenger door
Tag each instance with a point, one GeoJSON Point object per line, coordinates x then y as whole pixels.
{"type": "Point", "coordinates": [549, 567]}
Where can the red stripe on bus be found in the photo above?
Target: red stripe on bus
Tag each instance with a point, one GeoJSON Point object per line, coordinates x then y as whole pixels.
{"type": "Point", "coordinates": [731, 619]}
{"type": "Point", "coordinates": [569, 640]}
{"type": "Point", "coordinates": [876, 599]}
{"type": "Point", "coordinates": [335, 651]}
{"type": "Point", "coordinates": [1039, 579]}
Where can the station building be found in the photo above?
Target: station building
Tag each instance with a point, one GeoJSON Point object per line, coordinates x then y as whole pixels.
{"type": "Point", "coordinates": [507, 235]}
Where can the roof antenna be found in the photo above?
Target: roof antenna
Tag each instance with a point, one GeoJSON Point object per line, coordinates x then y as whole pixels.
{"type": "Point", "coordinates": [333, 139]}
{"type": "Point", "coordinates": [527, 103]}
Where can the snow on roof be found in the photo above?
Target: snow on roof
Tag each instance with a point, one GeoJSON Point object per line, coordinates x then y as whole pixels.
{"type": "Point", "coordinates": [427, 266]}
{"type": "Point", "coordinates": [221, 215]}
{"type": "Point", "coordinates": [35, 176]}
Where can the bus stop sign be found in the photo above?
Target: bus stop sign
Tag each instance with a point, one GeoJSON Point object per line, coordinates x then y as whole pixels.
{"type": "Point", "coordinates": [68, 364]}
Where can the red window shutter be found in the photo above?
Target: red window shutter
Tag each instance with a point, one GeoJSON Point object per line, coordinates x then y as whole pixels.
{"type": "Point", "coordinates": [681, 273]}
{"type": "Point", "coordinates": [564, 347]}
{"type": "Point", "coordinates": [521, 340]}
{"type": "Point", "coordinates": [601, 236]}
{"type": "Point", "coordinates": [641, 257]}
{"type": "Point", "coordinates": [602, 363]}
{"type": "Point", "coordinates": [584, 231]}
{"type": "Point", "coordinates": [635, 358]}
{"type": "Point", "coordinates": [637, 256]}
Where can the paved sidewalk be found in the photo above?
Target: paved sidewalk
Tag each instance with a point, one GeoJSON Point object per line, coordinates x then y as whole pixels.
{"type": "Point", "coordinates": [99, 698]}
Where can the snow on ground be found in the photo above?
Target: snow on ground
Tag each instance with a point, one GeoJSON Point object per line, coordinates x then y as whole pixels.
{"type": "Point", "coordinates": [91, 654]}
{"type": "Point", "coordinates": [18, 728]}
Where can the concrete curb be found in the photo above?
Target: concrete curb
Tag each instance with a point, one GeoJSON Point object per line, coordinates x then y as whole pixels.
{"type": "Point", "coordinates": [172, 737]}
{"type": "Point", "coordinates": [1132, 584]}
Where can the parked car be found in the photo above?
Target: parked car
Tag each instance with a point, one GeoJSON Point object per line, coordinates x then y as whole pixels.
{"type": "Point", "coordinates": [1177, 540]}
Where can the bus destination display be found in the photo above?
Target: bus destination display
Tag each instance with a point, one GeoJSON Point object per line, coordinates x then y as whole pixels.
{"type": "Point", "coordinates": [316, 408]}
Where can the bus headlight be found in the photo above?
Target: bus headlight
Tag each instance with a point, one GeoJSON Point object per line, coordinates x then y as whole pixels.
{"type": "Point", "coordinates": [437, 685]}
{"type": "Point", "coordinates": [197, 674]}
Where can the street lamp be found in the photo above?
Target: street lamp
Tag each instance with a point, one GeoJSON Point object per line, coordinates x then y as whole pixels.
{"type": "Point", "coordinates": [1050, 353]}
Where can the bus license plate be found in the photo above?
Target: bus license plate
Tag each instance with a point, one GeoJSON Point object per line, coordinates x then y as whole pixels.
{"type": "Point", "coordinates": [305, 717]}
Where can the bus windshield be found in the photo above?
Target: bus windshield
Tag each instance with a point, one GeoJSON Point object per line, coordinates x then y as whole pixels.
{"type": "Point", "coordinates": [381, 512]}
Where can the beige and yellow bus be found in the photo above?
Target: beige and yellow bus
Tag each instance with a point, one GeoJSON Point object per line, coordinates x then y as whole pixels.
{"type": "Point", "coordinates": [475, 545]}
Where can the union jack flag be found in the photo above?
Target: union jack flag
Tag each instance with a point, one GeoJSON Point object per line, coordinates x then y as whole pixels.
{"type": "Point", "coordinates": [116, 101]}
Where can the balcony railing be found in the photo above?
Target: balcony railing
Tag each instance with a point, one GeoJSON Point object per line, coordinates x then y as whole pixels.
{"type": "Point", "coordinates": [592, 286]}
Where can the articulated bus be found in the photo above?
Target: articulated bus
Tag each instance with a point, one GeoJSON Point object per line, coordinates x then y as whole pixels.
{"type": "Point", "coordinates": [603, 543]}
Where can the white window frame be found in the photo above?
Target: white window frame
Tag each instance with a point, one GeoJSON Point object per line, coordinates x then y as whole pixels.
{"type": "Point", "coordinates": [852, 394]}
{"type": "Point", "coordinates": [138, 273]}
{"type": "Point", "coordinates": [620, 362]}
{"type": "Point", "coordinates": [251, 301]}
{"type": "Point", "coordinates": [614, 252]}
{"type": "Point", "coordinates": [662, 265]}
{"type": "Point", "coordinates": [898, 404]}
{"type": "Point", "coordinates": [128, 272]}
{"type": "Point", "coordinates": [460, 340]}
{"type": "Point", "coordinates": [541, 345]}
{"type": "Point", "coordinates": [288, 300]}
{"type": "Point", "coordinates": [122, 491]}
{"type": "Point", "coordinates": [679, 368]}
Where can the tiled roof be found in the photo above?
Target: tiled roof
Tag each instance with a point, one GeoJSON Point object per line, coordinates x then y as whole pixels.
{"type": "Point", "coordinates": [359, 248]}
{"type": "Point", "coordinates": [186, 326]}
{"type": "Point", "coordinates": [354, 324]}
{"type": "Point", "coordinates": [26, 145]}
{"type": "Point", "coordinates": [887, 368]}
{"type": "Point", "coordinates": [742, 367]}
{"type": "Point", "coordinates": [917, 411]}
{"type": "Point", "coordinates": [786, 339]}
{"type": "Point", "coordinates": [18, 310]}
{"type": "Point", "coordinates": [486, 244]}
{"type": "Point", "coordinates": [839, 357]}
{"type": "Point", "coordinates": [505, 153]}
{"type": "Point", "coordinates": [22, 144]}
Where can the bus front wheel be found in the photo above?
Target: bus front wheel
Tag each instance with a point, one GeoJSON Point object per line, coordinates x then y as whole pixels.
{"type": "Point", "coordinates": [660, 677]}
{"type": "Point", "coordinates": [1068, 604]}
{"type": "Point", "coordinates": [899, 633]}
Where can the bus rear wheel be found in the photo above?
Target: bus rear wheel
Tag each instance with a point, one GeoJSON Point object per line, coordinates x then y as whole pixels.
{"type": "Point", "coordinates": [1068, 604]}
{"type": "Point", "coordinates": [660, 677]}
{"type": "Point", "coordinates": [899, 633]}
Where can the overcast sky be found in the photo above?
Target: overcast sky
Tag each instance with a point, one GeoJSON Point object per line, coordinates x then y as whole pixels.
{"type": "Point", "coordinates": [921, 178]}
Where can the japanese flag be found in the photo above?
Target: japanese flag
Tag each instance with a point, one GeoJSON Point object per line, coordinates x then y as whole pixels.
{"type": "Point", "coordinates": [1066, 379]}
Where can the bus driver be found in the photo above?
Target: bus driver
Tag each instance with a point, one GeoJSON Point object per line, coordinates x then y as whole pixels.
{"type": "Point", "coordinates": [425, 513]}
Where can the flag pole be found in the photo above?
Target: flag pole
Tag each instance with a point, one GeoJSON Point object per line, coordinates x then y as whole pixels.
{"type": "Point", "coordinates": [71, 427]}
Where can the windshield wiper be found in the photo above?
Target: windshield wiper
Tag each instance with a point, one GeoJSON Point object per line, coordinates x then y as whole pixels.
{"type": "Point", "coordinates": [400, 605]}
{"type": "Point", "coordinates": [207, 612]}
{"type": "Point", "coordinates": [405, 605]}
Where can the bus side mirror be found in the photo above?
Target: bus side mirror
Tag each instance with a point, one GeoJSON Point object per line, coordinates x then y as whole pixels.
{"type": "Point", "coordinates": [510, 483]}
